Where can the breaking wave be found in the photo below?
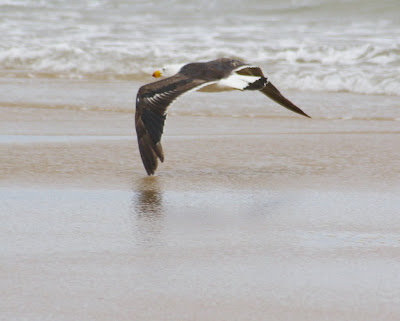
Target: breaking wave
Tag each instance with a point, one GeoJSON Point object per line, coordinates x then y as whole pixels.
{"type": "Point", "coordinates": [301, 44]}
{"type": "Point", "coordinates": [361, 69]}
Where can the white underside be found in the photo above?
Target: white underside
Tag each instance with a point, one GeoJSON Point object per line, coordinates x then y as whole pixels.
{"type": "Point", "coordinates": [233, 82]}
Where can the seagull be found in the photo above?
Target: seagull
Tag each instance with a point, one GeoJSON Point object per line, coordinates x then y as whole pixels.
{"type": "Point", "coordinates": [153, 99]}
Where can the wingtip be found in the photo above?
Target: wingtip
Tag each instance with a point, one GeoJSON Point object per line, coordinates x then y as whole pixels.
{"type": "Point", "coordinates": [299, 111]}
{"type": "Point", "coordinates": [273, 93]}
{"type": "Point", "coordinates": [150, 173]}
{"type": "Point", "coordinates": [149, 152]}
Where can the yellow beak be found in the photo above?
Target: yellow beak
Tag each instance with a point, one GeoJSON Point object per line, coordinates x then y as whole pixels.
{"type": "Point", "coordinates": [157, 74]}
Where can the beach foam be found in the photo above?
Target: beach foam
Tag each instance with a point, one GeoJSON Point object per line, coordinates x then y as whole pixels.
{"type": "Point", "coordinates": [299, 44]}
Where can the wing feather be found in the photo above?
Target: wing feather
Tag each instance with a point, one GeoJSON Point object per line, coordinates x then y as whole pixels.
{"type": "Point", "coordinates": [271, 91]}
{"type": "Point", "coordinates": [152, 103]}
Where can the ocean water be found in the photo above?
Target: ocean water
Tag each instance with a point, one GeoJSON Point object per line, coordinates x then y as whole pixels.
{"type": "Point", "coordinates": [307, 45]}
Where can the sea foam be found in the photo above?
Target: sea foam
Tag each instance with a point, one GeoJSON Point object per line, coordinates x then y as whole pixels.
{"type": "Point", "coordinates": [301, 45]}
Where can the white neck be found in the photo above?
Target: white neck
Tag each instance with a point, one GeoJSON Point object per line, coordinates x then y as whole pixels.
{"type": "Point", "coordinates": [170, 70]}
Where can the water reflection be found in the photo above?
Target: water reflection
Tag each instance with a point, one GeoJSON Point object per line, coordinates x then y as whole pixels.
{"type": "Point", "coordinates": [148, 200]}
{"type": "Point", "coordinates": [147, 214]}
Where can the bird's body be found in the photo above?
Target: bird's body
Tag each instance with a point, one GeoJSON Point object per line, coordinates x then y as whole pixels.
{"type": "Point", "coordinates": [217, 75]}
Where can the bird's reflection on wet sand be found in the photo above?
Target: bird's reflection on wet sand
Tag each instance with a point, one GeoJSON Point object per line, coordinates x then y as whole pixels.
{"type": "Point", "coordinates": [147, 212]}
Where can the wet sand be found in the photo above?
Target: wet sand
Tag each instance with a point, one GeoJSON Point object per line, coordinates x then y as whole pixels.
{"type": "Point", "coordinates": [249, 218]}
{"type": "Point", "coordinates": [98, 149]}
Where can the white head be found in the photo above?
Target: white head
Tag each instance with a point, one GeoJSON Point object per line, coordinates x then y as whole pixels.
{"type": "Point", "coordinates": [168, 71]}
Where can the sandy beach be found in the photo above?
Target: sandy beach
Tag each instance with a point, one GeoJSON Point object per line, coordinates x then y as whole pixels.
{"type": "Point", "coordinates": [251, 217]}
{"type": "Point", "coordinates": [256, 214]}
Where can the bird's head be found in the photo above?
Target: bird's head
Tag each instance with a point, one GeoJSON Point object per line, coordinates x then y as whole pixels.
{"type": "Point", "coordinates": [167, 71]}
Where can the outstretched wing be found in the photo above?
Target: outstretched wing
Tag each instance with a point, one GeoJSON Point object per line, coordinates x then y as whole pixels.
{"type": "Point", "coordinates": [152, 102]}
{"type": "Point", "coordinates": [271, 91]}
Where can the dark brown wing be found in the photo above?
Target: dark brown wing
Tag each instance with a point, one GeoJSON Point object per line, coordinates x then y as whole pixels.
{"type": "Point", "coordinates": [271, 91]}
{"type": "Point", "coordinates": [152, 101]}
